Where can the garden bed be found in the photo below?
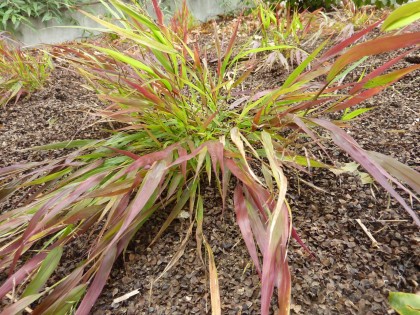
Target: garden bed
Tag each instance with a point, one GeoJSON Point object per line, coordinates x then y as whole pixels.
{"type": "Point", "coordinates": [349, 274]}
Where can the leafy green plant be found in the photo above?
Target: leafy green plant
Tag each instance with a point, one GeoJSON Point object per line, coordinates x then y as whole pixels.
{"type": "Point", "coordinates": [312, 4]}
{"type": "Point", "coordinates": [13, 13]}
{"type": "Point", "coordinates": [405, 303]}
{"type": "Point", "coordinates": [282, 25]}
{"type": "Point", "coordinates": [21, 71]}
{"type": "Point", "coordinates": [380, 3]}
{"type": "Point", "coordinates": [184, 126]}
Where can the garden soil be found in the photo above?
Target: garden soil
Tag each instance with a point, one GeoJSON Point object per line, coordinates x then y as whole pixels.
{"type": "Point", "coordinates": [349, 274]}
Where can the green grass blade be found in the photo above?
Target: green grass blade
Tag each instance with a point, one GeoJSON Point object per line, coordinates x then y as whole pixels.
{"type": "Point", "coordinates": [126, 59]}
{"type": "Point", "coordinates": [65, 145]}
{"type": "Point", "coordinates": [66, 302]}
{"type": "Point", "coordinates": [20, 305]}
{"type": "Point", "coordinates": [293, 76]}
{"type": "Point", "coordinates": [135, 15]}
{"type": "Point", "coordinates": [388, 78]}
{"type": "Point", "coordinates": [48, 266]}
{"type": "Point", "coordinates": [405, 303]}
{"type": "Point", "coordinates": [355, 113]}
{"type": "Point", "coordinates": [402, 16]}
{"type": "Point", "coordinates": [48, 178]}
{"type": "Point", "coordinates": [142, 40]}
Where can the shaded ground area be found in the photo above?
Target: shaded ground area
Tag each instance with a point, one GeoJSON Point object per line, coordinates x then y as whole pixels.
{"type": "Point", "coordinates": [348, 276]}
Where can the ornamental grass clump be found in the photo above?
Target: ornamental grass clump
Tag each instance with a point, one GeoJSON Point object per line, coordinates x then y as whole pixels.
{"type": "Point", "coordinates": [184, 126]}
{"type": "Point", "coordinates": [21, 71]}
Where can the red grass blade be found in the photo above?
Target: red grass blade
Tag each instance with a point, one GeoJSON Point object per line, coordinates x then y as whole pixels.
{"type": "Point", "coordinates": [229, 48]}
{"type": "Point", "coordinates": [302, 106]}
{"type": "Point", "coordinates": [216, 151]}
{"type": "Point", "coordinates": [283, 285]}
{"type": "Point", "coordinates": [257, 225]}
{"type": "Point", "coordinates": [297, 238]}
{"type": "Point", "coordinates": [147, 94]}
{"type": "Point", "coordinates": [357, 99]}
{"type": "Point", "coordinates": [181, 153]}
{"type": "Point", "coordinates": [373, 47]}
{"type": "Point", "coordinates": [158, 12]}
{"type": "Point", "coordinates": [274, 267]}
{"type": "Point", "coordinates": [126, 153]}
{"type": "Point", "coordinates": [344, 141]}
{"type": "Point", "coordinates": [187, 157]}
{"type": "Point", "coordinates": [378, 71]}
{"type": "Point", "coordinates": [397, 169]}
{"type": "Point", "coordinates": [257, 192]}
{"type": "Point", "coordinates": [18, 168]}
{"type": "Point", "coordinates": [245, 226]}
{"type": "Point", "coordinates": [149, 185]}
{"type": "Point", "coordinates": [387, 80]}
{"type": "Point", "coordinates": [149, 159]}
{"type": "Point", "coordinates": [310, 133]}
{"type": "Point", "coordinates": [54, 206]}
{"type": "Point", "coordinates": [207, 122]}
{"type": "Point", "coordinates": [21, 274]}
{"type": "Point", "coordinates": [98, 283]}
{"type": "Point", "coordinates": [66, 286]}
{"type": "Point", "coordinates": [344, 44]}
{"type": "Point", "coordinates": [20, 305]}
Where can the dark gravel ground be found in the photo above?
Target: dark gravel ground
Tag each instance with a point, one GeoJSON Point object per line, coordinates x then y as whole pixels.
{"type": "Point", "coordinates": [349, 275]}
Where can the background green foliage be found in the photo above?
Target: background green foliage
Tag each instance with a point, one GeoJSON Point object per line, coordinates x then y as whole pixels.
{"type": "Point", "coordinates": [315, 4]}
{"type": "Point", "coordinates": [13, 13]}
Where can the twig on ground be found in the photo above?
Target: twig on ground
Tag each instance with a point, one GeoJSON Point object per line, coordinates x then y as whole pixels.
{"type": "Point", "coordinates": [126, 296]}
{"type": "Point", "coordinates": [374, 242]}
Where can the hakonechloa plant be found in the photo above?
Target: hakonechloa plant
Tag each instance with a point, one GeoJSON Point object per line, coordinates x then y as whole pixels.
{"type": "Point", "coordinates": [184, 126]}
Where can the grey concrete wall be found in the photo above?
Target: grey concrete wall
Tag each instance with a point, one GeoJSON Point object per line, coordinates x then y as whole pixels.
{"type": "Point", "coordinates": [204, 10]}
{"type": "Point", "coordinates": [53, 33]}
{"type": "Point", "coordinates": [207, 9]}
